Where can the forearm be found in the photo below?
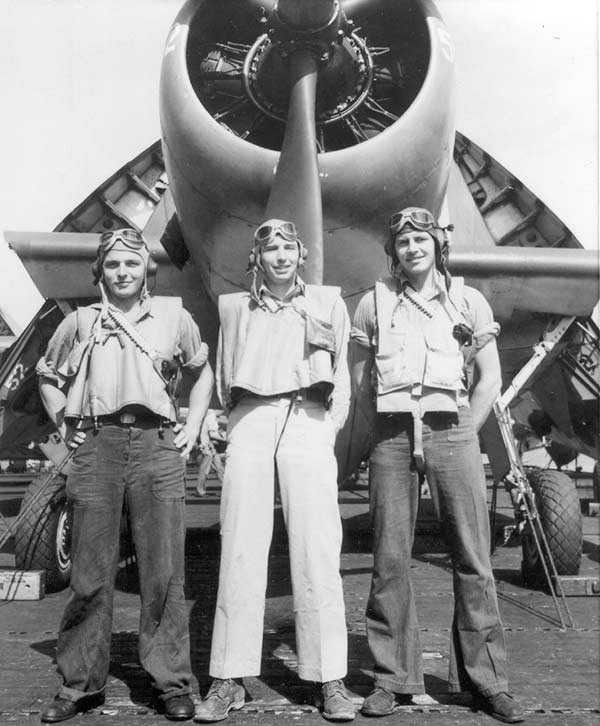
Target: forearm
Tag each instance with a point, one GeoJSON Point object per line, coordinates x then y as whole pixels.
{"type": "Point", "coordinates": [340, 398]}
{"type": "Point", "coordinates": [340, 404]}
{"type": "Point", "coordinates": [200, 396]}
{"type": "Point", "coordinates": [482, 401]}
{"type": "Point", "coordinates": [54, 401]}
{"type": "Point", "coordinates": [360, 369]}
{"type": "Point", "coordinates": [488, 382]}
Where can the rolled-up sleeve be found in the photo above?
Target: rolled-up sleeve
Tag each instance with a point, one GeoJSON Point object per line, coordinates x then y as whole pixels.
{"type": "Point", "coordinates": [340, 398]}
{"type": "Point", "coordinates": [192, 351]}
{"type": "Point", "coordinates": [485, 328]}
{"type": "Point", "coordinates": [55, 364]}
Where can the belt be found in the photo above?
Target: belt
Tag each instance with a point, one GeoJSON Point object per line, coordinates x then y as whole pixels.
{"type": "Point", "coordinates": [143, 419]}
{"type": "Point", "coordinates": [406, 417]}
{"type": "Point", "coordinates": [303, 394]}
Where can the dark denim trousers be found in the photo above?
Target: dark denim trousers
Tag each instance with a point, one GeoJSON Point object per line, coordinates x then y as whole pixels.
{"type": "Point", "coordinates": [145, 468]}
{"type": "Point", "coordinates": [456, 480]}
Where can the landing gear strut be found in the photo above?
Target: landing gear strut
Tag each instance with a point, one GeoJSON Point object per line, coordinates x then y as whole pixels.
{"type": "Point", "coordinates": [545, 502]}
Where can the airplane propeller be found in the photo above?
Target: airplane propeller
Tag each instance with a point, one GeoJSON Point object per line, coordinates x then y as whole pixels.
{"type": "Point", "coordinates": [296, 190]}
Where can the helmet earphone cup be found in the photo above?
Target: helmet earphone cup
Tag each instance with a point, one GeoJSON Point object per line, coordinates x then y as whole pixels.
{"type": "Point", "coordinates": [151, 267]}
{"type": "Point", "coordinates": [303, 254]}
{"type": "Point", "coordinates": [96, 271]}
{"type": "Point", "coordinates": [254, 263]}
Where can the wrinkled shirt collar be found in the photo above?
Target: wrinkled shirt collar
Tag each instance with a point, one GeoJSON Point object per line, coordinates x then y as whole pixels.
{"type": "Point", "coordinates": [267, 300]}
{"type": "Point", "coordinates": [143, 309]}
{"type": "Point", "coordinates": [439, 285]}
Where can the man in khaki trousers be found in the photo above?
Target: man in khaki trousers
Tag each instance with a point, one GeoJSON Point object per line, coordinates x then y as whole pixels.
{"type": "Point", "coordinates": [284, 379]}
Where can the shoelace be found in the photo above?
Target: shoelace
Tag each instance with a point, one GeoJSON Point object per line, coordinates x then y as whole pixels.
{"type": "Point", "coordinates": [217, 688]}
{"type": "Point", "coordinates": [334, 688]}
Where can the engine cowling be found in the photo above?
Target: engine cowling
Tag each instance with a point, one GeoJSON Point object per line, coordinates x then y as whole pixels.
{"type": "Point", "coordinates": [385, 130]}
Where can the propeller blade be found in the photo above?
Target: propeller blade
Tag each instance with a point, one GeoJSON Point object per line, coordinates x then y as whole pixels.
{"type": "Point", "coordinates": [296, 190]}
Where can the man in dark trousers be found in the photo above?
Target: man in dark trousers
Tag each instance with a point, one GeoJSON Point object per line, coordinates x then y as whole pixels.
{"type": "Point", "coordinates": [418, 338]}
{"type": "Point", "coordinates": [108, 382]}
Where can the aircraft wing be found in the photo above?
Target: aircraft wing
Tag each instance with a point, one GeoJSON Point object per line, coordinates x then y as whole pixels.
{"type": "Point", "coordinates": [536, 276]}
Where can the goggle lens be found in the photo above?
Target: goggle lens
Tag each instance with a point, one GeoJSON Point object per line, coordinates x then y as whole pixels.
{"type": "Point", "coordinates": [421, 219]}
{"type": "Point", "coordinates": [266, 232]}
{"type": "Point", "coordinates": [129, 237]}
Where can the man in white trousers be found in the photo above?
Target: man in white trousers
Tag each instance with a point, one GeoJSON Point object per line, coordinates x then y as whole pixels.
{"type": "Point", "coordinates": [283, 378]}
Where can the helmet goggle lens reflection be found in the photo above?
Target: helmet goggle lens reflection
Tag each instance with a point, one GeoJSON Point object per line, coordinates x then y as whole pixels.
{"type": "Point", "coordinates": [420, 219]}
{"type": "Point", "coordinates": [129, 237]}
{"type": "Point", "coordinates": [267, 231]}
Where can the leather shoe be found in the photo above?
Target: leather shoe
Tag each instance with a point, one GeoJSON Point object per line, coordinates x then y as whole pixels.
{"type": "Point", "coordinates": [61, 708]}
{"type": "Point", "coordinates": [501, 706]}
{"type": "Point", "coordinates": [224, 695]}
{"type": "Point", "coordinates": [380, 702]}
{"type": "Point", "coordinates": [177, 708]}
{"type": "Point", "coordinates": [337, 704]}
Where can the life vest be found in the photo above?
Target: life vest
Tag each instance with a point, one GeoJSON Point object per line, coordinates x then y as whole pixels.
{"type": "Point", "coordinates": [244, 362]}
{"type": "Point", "coordinates": [110, 372]}
{"type": "Point", "coordinates": [427, 353]}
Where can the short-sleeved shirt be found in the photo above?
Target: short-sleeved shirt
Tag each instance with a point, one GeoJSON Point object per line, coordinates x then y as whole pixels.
{"type": "Point", "coordinates": [107, 371]}
{"type": "Point", "coordinates": [476, 310]}
{"type": "Point", "coordinates": [191, 352]}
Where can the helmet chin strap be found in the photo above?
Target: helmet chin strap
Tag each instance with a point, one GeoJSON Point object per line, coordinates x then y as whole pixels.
{"type": "Point", "coordinates": [104, 295]}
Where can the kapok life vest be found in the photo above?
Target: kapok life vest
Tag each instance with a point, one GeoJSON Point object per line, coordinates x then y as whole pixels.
{"type": "Point", "coordinates": [244, 362]}
{"type": "Point", "coordinates": [111, 372]}
{"type": "Point", "coordinates": [425, 353]}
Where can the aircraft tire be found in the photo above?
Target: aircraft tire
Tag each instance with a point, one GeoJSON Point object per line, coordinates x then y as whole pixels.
{"type": "Point", "coordinates": [560, 515]}
{"type": "Point", "coordinates": [43, 541]}
{"type": "Point", "coordinates": [596, 482]}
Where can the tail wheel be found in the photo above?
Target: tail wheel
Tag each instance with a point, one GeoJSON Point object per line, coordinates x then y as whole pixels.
{"type": "Point", "coordinates": [560, 516]}
{"type": "Point", "coordinates": [43, 541]}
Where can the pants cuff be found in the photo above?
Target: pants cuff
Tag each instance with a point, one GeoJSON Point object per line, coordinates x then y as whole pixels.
{"type": "Point", "coordinates": [395, 686]}
{"type": "Point", "coordinates": [314, 675]}
{"type": "Point", "coordinates": [489, 690]}
{"type": "Point", "coordinates": [73, 694]}
{"type": "Point", "coordinates": [237, 672]}
{"type": "Point", "coordinates": [165, 695]}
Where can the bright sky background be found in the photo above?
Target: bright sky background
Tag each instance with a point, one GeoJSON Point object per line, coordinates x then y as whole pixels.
{"type": "Point", "coordinates": [79, 81]}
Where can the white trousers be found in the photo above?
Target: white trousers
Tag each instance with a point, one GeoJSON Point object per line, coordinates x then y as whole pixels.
{"type": "Point", "coordinates": [307, 472]}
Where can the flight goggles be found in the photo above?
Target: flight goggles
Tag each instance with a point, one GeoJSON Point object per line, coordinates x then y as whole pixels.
{"type": "Point", "coordinates": [420, 219]}
{"type": "Point", "coordinates": [129, 237]}
{"type": "Point", "coordinates": [267, 231]}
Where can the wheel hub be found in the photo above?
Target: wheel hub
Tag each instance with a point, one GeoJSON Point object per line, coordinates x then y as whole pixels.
{"type": "Point", "coordinates": [63, 539]}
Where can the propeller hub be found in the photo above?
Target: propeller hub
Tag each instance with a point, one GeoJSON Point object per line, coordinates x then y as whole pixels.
{"type": "Point", "coordinates": [345, 78]}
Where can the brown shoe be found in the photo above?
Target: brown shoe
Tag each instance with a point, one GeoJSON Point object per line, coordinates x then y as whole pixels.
{"type": "Point", "coordinates": [337, 705]}
{"type": "Point", "coordinates": [501, 706]}
{"type": "Point", "coordinates": [380, 702]}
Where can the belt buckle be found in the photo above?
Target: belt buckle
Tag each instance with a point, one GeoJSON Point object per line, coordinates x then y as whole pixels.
{"type": "Point", "coordinates": [127, 418]}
